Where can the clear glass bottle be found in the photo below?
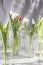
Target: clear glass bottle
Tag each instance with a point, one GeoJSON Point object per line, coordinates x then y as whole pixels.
{"type": "Point", "coordinates": [24, 45]}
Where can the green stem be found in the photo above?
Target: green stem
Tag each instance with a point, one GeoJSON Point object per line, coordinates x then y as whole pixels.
{"type": "Point", "coordinates": [30, 49]}
{"type": "Point", "coordinates": [40, 45]}
{"type": "Point", "coordinates": [4, 55]}
{"type": "Point", "coordinates": [15, 44]}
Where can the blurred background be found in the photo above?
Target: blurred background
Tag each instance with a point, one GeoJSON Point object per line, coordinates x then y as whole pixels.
{"type": "Point", "coordinates": [26, 8]}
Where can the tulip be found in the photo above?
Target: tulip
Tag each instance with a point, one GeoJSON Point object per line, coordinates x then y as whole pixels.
{"type": "Point", "coordinates": [20, 19]}
{"type": "Point", "coordinates": [40, 34]}
{"type": "Point", "coordinates": [32, 32]}
{"type": "Point", "coordinates": [15, 24]}
{"type": "Point", "coordinates": [4, 31]}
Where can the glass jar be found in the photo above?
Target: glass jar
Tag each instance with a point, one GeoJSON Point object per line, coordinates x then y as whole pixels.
{"type": "Point", "coordinates": [24, 45]}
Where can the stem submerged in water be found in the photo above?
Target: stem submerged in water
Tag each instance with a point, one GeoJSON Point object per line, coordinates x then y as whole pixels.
{"type": "Point", "coordinates": [4, 55]}
{"type": "Point", "coordinates": [15, 44]}
{"type": "Point", "coordinates": [30, 49]}
{"type": "Point", "coordinates": [40, 48]}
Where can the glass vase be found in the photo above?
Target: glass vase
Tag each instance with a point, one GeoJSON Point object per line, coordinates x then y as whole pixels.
{"type": "Point", "coordinates": [25, 46]}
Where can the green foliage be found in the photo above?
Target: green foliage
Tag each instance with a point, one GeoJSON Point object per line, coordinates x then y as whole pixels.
{"type": "Point", "coordinates": [15, 24]}
{"type": "Point", "coordinates": [34, 29]}
{"type": "Point", "coordinates": [32, 32]}
{"type": "Point", "coordinates": [4, 31]}
{"type": "Point", "coordinates": [40, 35]}
{"type": "Point", "coordinates": [15, 28]}
{"type": "Point", "coordinates": [25, 28]}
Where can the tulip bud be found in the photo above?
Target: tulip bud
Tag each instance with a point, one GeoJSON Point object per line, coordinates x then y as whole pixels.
{"type": "Point", "coordinates": [33, 23]}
